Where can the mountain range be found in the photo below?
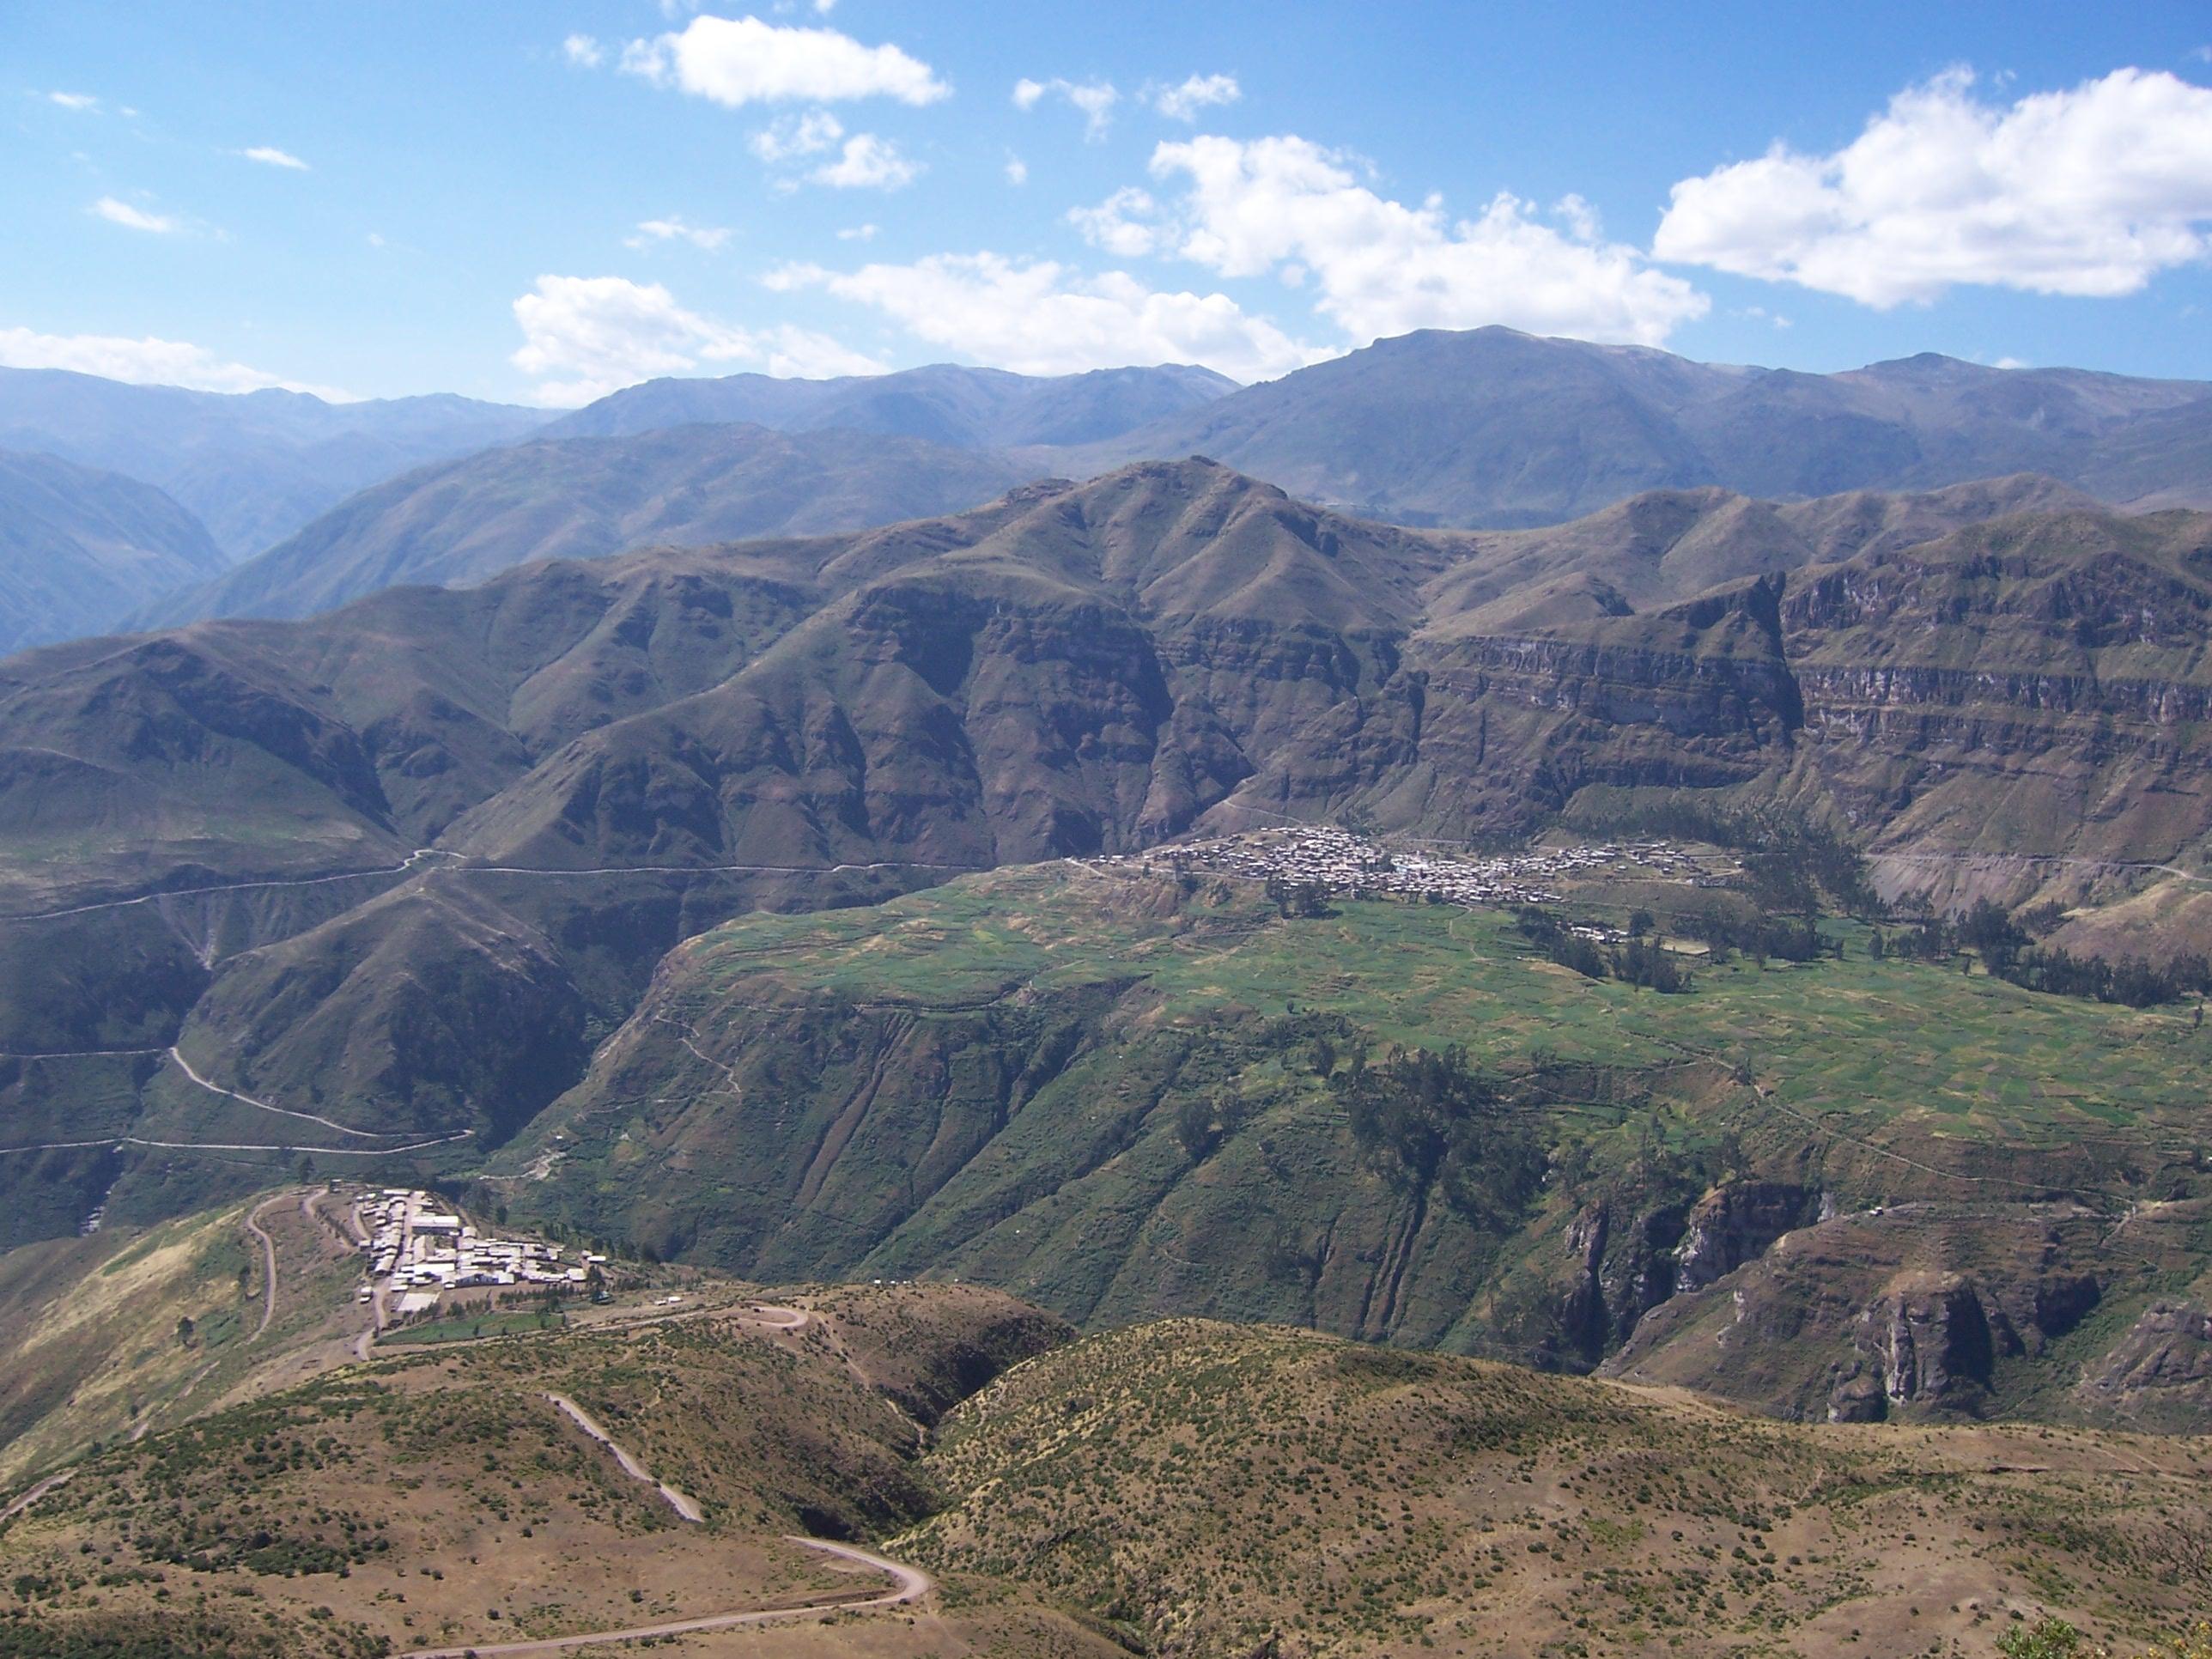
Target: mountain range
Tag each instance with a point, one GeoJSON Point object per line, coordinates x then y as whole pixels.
{"type": "Point", "coordinates": [1495, 428]}
{"type": "Point", "coordinates": [461, 521]}
{"type": "Point", "coordinates": [402, 864]}
{"type": "Point", "coordinates": [1488, 428]}
{"type": "Point", "coordinates": [252, 467]}
{"type": "Point", "coordinates": [945, 403]}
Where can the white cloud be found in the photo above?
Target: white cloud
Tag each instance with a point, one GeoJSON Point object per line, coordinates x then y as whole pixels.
{"type": "Point", "coordinates": [584, 337]}
{"type": "Point", "coordinates": [2088, 191]}
{"type": "Point", "coordinates": [857, 233]}
{"type": "Point", "coordinates": [868, 162]}
{"type": "Point", "coordinates": [583, 52]}
{"type": "Point", "coordinates": [737, 61]}
{"type": "Point", "coordinates": [122, 213]}
{"type": "Point", "coordinates": [1183, 103]}
{"type": "Point", "coordinates": [675, 228]}
{"type": "Point", "coordinates": [1017, 170]}
{"type": "Point", "coordinates": [802, 354]}
{"type": "Point", "coordinates": [84, 102]}
{"type": "Point", "coordinates": [148, 361]}
{"type": "Point", "coordinates": [1116, 224]}
{"type": "Point", "coordinates": [1040, 317]}
{"type": "Point", "coordinates": [1096, 99]}
{"type": "Point", "coordinates": [269, 156]}
{"type": "Point", "coordinates": [796, 134]}
{"type": "Point", "coordinates": [1578, 217]}
{"type": "Point", "coordinates": [1382, 268]}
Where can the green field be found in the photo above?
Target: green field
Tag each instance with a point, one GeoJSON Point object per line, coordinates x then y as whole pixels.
{"type": "Point", "coordinates": [1858, 1043]}
{"type": "Point", "coordinates": [468, 1327]}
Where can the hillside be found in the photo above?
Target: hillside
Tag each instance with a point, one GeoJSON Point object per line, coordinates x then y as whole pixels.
{"type": "Point", "coordinates": [1666, 546]}
{"type": "Point", "coordinates": [928, 1469]}
{"type": "Point", "coordinates": [252, 467]}
{"type": "Point", "coordinates": [1497, 429]}
{"type": "Point", "coordinates": [1229, 1491]}
{"type": "Point", "coordinates": [399, 867]}
{"type": "Point", "coordinates": [944, 402]}
{"type": "Point", "coordinates": [454, 1497]}
{"type": "Point", "coordinates": [1121, 1096]}
{"type": "Point", "coordinates": [584, 498]}
{"type": "Point", "coordinates": [80, 549]}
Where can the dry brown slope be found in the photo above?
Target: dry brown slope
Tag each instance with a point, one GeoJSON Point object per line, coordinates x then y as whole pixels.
{"type": "Point", "coordinates": [441, 1499]}
{"type": "Point", "coordinates": [1233, 1489]}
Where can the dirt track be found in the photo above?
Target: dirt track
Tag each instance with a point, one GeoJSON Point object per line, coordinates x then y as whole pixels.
{"type": "Point", "coordinates": [268, 1266]}
{"type": "Point", "coordinates": [910, 1584]}
{"type": "Point", "coordinates": [682, 1503]}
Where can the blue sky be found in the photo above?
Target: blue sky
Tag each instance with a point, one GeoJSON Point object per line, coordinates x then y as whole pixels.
{"type": "Point", "coordinates": [540, 202]}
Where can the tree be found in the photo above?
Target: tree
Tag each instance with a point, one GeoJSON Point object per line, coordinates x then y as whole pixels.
{"type": "Point", "coordinates": [1640, 922]}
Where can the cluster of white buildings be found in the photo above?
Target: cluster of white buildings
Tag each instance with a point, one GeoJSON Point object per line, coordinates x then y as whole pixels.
{"type": "Point", "coordinates": [1342, 862]}
{"type": "Point", "coordinates": [418, 1251]}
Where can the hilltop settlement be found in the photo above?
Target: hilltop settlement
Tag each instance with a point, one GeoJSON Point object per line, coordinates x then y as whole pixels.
{"type": "Point", "coordinates": [416, 1251]}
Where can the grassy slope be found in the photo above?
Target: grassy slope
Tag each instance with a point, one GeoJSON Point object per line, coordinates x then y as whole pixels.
{"type": "Point", "coordinates": [1219, 1488]}
{"type": "Point", "coordinates": [1985, 1060]}
{"type": "Point", "coordinates": [89, 1347]}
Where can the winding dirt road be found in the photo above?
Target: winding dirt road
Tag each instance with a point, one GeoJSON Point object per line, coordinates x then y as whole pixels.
{"type": "Point", "coordinates": [454, 865]}
{"type": "Point", "coordinates": [35, 1493]}
{"type": "Point", "coordinates": [119, 1141]}
{"type": "Point", "coordinates": [186, 1066]}
{"type": "Point", "coordinates": [909, 1585]}
{"type": "Point", "coordinates": [268, 1266]}
{"type": "Point", "coordinates": [680, 1501]}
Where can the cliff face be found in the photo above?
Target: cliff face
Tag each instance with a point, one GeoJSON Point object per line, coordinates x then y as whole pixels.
{"type": "Point", "coordinates": [2034, 687]}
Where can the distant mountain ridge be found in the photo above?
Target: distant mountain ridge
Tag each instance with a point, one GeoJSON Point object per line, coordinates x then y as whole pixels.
{"type": "Point", "coordinates": [252, 466]}
{"type": "Point", "coordinates": [1496, 428]}
{"type": "Point", "coordinates": [79, 549]}
{"type": "Point", "coordinates": [583, 498]}
{"type": "Point", "coordinates": [964, 407]}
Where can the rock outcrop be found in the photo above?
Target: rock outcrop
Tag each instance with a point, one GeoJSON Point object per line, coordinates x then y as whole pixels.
{"type": "Point", "coordinates": [2159, 1375]}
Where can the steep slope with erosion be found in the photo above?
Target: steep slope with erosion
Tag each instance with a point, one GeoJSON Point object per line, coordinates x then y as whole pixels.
{"type": "Point", "coordinates": [331, 856]}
